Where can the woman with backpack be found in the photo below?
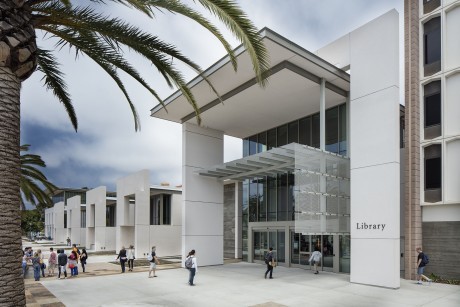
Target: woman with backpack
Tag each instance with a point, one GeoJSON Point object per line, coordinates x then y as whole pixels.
{"type": "Point", "coordinates": [191, 265]}
{"type": "Point", "coordinates": [152, 258]}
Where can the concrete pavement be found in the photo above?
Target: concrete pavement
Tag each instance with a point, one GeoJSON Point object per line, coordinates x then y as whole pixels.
{"type": "Point", "coordinates": [242, 284]}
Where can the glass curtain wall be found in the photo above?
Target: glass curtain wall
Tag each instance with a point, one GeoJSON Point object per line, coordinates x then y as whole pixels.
{"type": "Point", "coordinates": [272, 198]}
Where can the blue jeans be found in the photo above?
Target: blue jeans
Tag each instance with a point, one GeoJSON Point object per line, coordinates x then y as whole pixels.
{"type": "Point", "coordinates": [191, 276]}
{"type": "Point", "coordinates": [37, 272]}
{"type": "Point", "coordinates": [24, 269]}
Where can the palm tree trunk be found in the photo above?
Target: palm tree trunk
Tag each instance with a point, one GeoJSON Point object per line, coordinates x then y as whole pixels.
{"type": "Point", "coordinates": [11, 281]}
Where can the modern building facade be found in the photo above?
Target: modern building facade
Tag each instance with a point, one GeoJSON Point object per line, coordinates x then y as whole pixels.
{"type": "Point", "coordinates": [432, 93]}
{"type": "Point", "coordinates": [321, 156]}
{"type": "Point", "coordinates": [137, 214]}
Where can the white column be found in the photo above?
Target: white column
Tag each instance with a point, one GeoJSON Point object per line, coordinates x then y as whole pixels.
{"type": "Point", "coordinates": [375, 169]}
{"type": "Point", "coordinates": [202, 202]}
{"type": "Point", "coordinates": [322, 133]}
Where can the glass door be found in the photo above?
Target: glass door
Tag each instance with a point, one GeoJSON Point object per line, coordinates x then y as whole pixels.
{"type": "Point", "coordinates": [328, 253]}
{"type": "Point", "coordinates": [265, 239]}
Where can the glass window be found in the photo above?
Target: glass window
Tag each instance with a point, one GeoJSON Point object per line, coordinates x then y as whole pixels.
{"type": "Point", "coordinates": [262, 200]}
{"type": "Point", "coordinates": [155, 203]}
{"type": "Point", "coordinates": [291, 196]}
{"type": "Point", "coordinates": [433, 110]}
{"type": "Point", "coordinates": [166, 209]}
{"type": "Point", "coordinates": [253, 145]}
{"type": "Point", "coordinates": [65, 219]}
{"type": "Point", "coordinates": [295, 248]}
{"type": "Point", "coordinates": [433, 173]}
{"type": "Point", "coordinates": [83, 218]}
{"type": "Point", "coordinates": [332, 130]}
{"type": "Point", "coordinates": [110, 215]}
{"type": "Point", "coordinates": [245, 147]}
{"type": "Point", "coordinates": [271, 138]}
{"type": "Point", "coordinates": [432, 40]}
{"type": "Point", "coordinates": [262, 142]}
{"type": "Point", "coordinates": [315, 130]}
{"type": "Point", "coordinates": [305, 131]}
{"type": "Point", "coordinates": [253, 190]}
{"type": "Point", "coordinates": [281, 135]}
{"type": "Point", "coordinates": [271, 198]}
{"type": "Point", "coordinates": [343, 130]}
{"type": "Point", "coordinates": [293, 132]}
{"type": "Point", "coordinates": [245, 196]}
{"type": "Point", "coordinates": [282, 197]}
{"type": "Point", "coordinates": [281, 254]}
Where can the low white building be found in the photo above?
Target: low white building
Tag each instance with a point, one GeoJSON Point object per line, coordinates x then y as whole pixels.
{"type": "Point", "coordinates": [137, 214]}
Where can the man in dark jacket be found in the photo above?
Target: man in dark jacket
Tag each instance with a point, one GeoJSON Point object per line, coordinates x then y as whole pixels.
{"type": "Point", "coordinates": [62, 262]}
{"type": "Point", "coordinates": [268, 261]}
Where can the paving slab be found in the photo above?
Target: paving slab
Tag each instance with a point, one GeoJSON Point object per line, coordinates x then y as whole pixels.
{"type": "Point", "coordinates": [243, 284]}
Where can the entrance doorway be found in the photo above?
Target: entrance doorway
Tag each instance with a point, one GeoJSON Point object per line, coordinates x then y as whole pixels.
{"type": "Point", "coordinates": [264, 239]}
{"type": "Point", "coordinates": [335, 250]}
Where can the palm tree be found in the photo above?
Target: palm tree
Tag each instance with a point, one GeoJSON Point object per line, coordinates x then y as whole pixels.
{"type": "Point", "coordinates": [101, 38]}
{"type": "Point", "coordinates": [30, 176]}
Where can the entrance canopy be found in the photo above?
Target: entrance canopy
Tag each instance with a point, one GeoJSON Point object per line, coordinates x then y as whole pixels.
{"type": "Point", "coordinates": [321, 185]}
{"type": "Point", "coordinates": [295, 80]}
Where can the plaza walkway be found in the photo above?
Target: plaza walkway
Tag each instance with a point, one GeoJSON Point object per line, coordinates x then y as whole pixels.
{"type": "Point", "coordinates": [242, 284]}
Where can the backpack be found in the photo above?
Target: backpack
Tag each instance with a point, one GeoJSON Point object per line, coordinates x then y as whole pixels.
{"type": "Point", "coordinates": [425, 259]}
{"type": "Point", "coordinates": [150, 257]}
{"type": "Point", "coordinates": [189, 263]}
{"type": "Point", "coordinates": [266, 259]}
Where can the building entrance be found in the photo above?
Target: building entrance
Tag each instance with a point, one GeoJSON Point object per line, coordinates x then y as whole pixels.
{"type": "Point", "coordinates": [335, 250]}
{"type": "Point", "coordinates": [263, 240]}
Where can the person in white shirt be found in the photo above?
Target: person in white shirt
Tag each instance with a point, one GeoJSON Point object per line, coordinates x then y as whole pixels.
{"type": "Point", "coordinates": [130, 256]}
{"type": "Point", "coordinates": [316, 258]}
{"type": "Point", "coordinates": [194, 267]}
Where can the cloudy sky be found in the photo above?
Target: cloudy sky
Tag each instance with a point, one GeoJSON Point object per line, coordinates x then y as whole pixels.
{"type": "Point", "coordinates": [106, 146]}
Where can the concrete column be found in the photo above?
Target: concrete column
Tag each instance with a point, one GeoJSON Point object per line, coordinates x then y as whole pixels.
{"type": "Point", "coordinates": [322, 115]}
{"type": "Point", "coordinates": [238, 220]}
{"type": "Point", "coordinates": [375, 167]}
{"type": "Point", "coordinates": [203, 198]}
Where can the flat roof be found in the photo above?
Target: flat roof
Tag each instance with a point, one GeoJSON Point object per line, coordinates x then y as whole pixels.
{"type": "Point", "coordinates": [295, 79]}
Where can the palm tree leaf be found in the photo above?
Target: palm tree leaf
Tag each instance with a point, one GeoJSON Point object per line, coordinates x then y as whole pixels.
{"type": "Point", "coordinates": [53, 79]}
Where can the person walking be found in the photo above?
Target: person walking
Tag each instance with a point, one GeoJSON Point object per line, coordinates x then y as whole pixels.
{"type": "Point", "coordinates": [316, 258]}
{"type": "Point", "coordinates": [42, 262]}
{"type": "Point", "coordinates": [192, 266]}
{"type": "Point", "coordinates": [123, 258]}
{"type": "Point", "coordinates": [52, 260]}
{"type": "Point", "coordinates": [421, 263]}
{"type": "Point", "coordinates": [269, 261]}
{"type": "Point", "coordinates": [68, 241]}
{"type": "Point", "coordinates": [130, 256]}
{"type": "Point", "coordinates": [36, 265]}
{"type": "Point", "coordinates": [83, 258]}
{"type": "Point", "coordinates": [153, 259]}
{"type": "Point", "coordinates": [62, 263]}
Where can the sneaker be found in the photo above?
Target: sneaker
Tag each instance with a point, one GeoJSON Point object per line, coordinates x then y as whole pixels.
{"type": "Point", "coordinates": [316, 273]}
{"type": "Point", "coordinates": [429, 282]}
{"type": "Point", "coordinates": [419, 283]}
{"type": "Point", "coordinates": [271, 277]}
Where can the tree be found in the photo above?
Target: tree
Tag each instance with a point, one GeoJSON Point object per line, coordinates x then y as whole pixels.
{"type": "Point", "coordinates": [30, 176]}
{"type": "Point", "coordinates": [101, 38]}
{"type": "Point", "coordinates": [31, 221]}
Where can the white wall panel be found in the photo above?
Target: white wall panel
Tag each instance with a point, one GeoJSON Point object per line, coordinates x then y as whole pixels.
{"type": "Point", "coordinates": [452, 171]}
{"type": "Point", "coordinates": [374, 146]}
{"type": "Point", "coordinates": [452, 41]}
{"type": "Point", "coordinates": [452, 104]}
{"type": "Point", "coordinates": [444, 213]}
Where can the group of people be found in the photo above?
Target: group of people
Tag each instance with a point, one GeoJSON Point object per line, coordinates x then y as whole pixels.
{"type": "Point", "coordinates": [59, 259]}
{"type": "Point", "coordinates": [128, 256]}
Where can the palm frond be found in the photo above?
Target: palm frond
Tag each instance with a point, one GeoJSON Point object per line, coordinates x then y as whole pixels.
{"type": "Point", "coordinates": [53, 79]}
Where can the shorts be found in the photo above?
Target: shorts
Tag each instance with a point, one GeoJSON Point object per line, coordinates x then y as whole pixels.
{"type": "Point", "coordinates": [420, 270]}
{"type": "Point", "coordinates": [153, 265]}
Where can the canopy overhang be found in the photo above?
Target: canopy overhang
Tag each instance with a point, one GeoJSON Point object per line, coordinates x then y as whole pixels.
{"type": "Point", "coordinates": [295, 80]}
